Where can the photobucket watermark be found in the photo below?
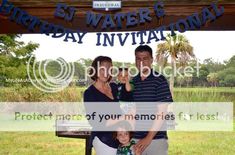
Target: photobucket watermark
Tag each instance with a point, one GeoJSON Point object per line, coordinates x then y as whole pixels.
{"type": "Point", "coordinates": [42, 80]}
{"type": "Point", "coordinates": [40, 77]}
{"type": "Point", "coordinates": [82, 116]}
{"type": "Point", "coordinates": [27, 80]}
{"type": "Point", "coordinates": [143, 70]}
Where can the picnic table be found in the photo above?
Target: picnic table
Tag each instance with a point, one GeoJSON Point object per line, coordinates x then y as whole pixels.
{"type": "Point", "coordinates": [73, 129]}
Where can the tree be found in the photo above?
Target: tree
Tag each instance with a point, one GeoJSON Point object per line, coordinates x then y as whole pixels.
{"type": "Point", "coordinates": [213, 66]}
{"type": "Point", "coordinates": [188, 79]}
{"type": "Point", "coordinates": [213, 79]}
{"type": "Point", "coordinates": [14, 55]}
{"type": "Point", "coordinates": [201, 78]}
{"type": "Point", "coordinates": [177, 49]}
{"type": "Point", "coordinates": [231, 62]}
{"type": "Point", "coordinates": [227, 76]}
{"type": "Point", "coordinates": [180, 80]}
{"type": "Point", "coordinates": [230, 80]}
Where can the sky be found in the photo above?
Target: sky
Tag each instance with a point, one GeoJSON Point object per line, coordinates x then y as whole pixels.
{"type": "Point", "coordinates": [219, 45]}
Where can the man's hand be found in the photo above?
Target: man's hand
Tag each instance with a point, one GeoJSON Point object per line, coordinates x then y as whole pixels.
{"type": "Point", "coordinates": [137, 151]}
{"type": "Point", "coordinates": [143, 143]}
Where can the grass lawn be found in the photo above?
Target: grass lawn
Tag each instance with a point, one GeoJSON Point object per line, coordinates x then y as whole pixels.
{"type": "Point", "coordinates": [180, 143]}
{"type": "Point", "coordinates": [207, 89]}
{"type": "Point", "coordinates": [30, 143]}
{"type": "Point", "coordinates": [200, 143]}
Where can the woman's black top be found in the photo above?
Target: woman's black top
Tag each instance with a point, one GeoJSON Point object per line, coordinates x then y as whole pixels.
{"type": "Point", "coordinates": [92, 94]}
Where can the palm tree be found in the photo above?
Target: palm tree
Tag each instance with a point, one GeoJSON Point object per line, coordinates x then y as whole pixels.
{"type": "Point", "coordinates": [177, 49]}
{"type": "Point", "coordinates": [212, 78]}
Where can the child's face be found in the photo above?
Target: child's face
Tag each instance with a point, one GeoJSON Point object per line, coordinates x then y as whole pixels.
{"type": "Point", "coordinates": [123, 76]}
{"type": "Point", "coordinates": [123, 137]}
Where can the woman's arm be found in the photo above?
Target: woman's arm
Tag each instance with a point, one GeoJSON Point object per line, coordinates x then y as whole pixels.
{"type": "Point", "coordinates": [88, 97]}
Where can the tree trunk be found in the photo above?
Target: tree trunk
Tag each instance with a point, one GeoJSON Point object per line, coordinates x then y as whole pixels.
{"type": "Point", "coordinates": [172, 80]}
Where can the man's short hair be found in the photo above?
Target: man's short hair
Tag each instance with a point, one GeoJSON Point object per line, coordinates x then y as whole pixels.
{"type": "Point", "coordinates": [144, 48]}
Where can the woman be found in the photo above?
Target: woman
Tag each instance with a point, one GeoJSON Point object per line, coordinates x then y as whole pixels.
{"type": "Point", "coordinates": [102, 91]}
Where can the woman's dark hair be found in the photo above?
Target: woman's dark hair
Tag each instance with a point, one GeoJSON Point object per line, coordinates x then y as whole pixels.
{"type": "Point", "coordinates": [124, 125]}
{"type": "Point", "coordinates": [144, 48]}
{"type": "Point", "coordinates": [94, 65]}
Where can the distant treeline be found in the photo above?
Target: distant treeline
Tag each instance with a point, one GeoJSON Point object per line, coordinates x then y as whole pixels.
{"type": "Point", "coordinates": [14, 56]}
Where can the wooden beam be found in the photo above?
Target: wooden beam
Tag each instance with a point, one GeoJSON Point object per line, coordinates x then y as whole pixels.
{"type": "Point", "coordinates": [174, 10]}
{"type": "Point", "coordinates": [125, 3]}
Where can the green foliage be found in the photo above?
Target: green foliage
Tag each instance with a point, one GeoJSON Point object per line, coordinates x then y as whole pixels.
{"type": "Point", "coordinates": [212, 78]}
{"type": "Point", "coordinates": [176, 49]}
{"type": "Point", "coordinates": [231, 62]}
{"type": "Point", "coordinates": [14, 55]}
{"type": "Point", "coordinates": [213, 66]}
{"type": "Point", "coordinates": [227, 76]}
{"type": "Point", "coordinates": [201, 79]}
{"type": "Point", "coordinates": [212, 74]}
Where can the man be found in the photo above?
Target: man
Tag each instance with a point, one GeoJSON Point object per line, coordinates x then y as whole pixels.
{"type": "Point", "coordinates": [150, 86]}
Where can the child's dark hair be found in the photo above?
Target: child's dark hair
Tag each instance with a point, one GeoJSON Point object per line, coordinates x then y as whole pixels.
{"type": "Point", "coordinates": [125, 125]}
{"type": "Point", "coordinates": [120, 69]}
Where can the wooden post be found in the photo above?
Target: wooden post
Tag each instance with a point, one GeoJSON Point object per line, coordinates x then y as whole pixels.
{"type": "Point", "coordinates": [87, 147]}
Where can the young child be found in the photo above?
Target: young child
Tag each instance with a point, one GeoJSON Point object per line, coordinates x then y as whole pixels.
{"type": "Point", "coordinates": [125, 96]}
{"type": "Point", "coordinates": [125, 86]}
{"type": "Point", "coordinates": [125, 139]}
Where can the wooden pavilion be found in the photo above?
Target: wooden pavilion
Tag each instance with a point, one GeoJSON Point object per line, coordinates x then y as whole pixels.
{"type": "Point", "coordinates": [174, 10]}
